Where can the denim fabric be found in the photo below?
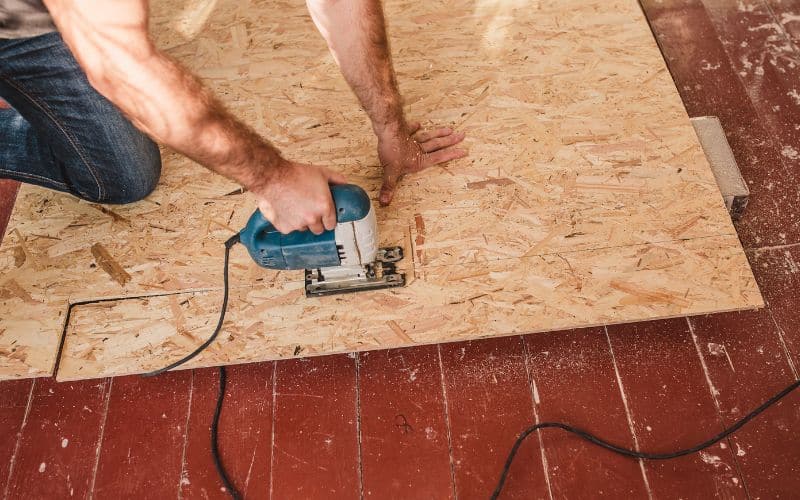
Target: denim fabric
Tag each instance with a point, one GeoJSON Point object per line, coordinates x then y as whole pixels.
{"type": "Point", "coordinates": [62, 134]}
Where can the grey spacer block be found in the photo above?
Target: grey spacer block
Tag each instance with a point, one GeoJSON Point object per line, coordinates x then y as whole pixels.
{"type": "Point", "coordinates": [729, 179]}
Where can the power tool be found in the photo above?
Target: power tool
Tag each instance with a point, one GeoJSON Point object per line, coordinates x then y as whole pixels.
{"type": "Point", "coordinates": [341, 260]}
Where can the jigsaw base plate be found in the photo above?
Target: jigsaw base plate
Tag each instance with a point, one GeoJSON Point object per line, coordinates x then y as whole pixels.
{"type": "Point", "coordinates": [349, 279]}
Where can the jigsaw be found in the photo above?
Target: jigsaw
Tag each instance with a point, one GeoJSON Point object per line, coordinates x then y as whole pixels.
{"type": "Point", "coordinates": [345, 259]}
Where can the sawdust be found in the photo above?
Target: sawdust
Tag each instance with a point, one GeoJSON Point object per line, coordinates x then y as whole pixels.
{"type": "Point", "coordinates": [790, 152]}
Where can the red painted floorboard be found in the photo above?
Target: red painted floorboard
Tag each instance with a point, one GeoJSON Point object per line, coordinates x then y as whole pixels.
{"type": "Point", "coordinates": [489, 404]}
{"type": "Point", "coordinates": [747, 364]}
{"type": "Point", "coordinates": [315, 448]}
{"type": "Point", "coordinates": [404, 438]}
{"type": "Point", "coordinates": [767, 64]}
{"type": "Point", "coordinates": [14, 395]}
{"type": "Point", "coordinates": [672, 408]}
{"type": "Point", "coordinates": [575, 383]}
{"type": "Point", "coordinates": [766, 61]}
{"type": "Point", "coordinates": [143, 437]}
{"type": "Point", "coordinates": [58, 444]}
{"type": "Point", "coordinates": [778, 273]}
{"type": "Point", "coordinates": [245, 432]}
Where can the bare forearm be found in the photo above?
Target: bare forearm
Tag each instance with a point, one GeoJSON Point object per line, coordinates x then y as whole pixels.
{"type": "Point", "coordinates": [172, 106]}
{"type": "Point", "coordinates": [159, 96]}
{"type": "Point", "coordinates": [356, 34]}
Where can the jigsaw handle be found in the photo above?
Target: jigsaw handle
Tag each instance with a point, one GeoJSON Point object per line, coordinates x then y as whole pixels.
{"type": "Point", "coordinates": [351, 202]}
{"type": "Point", "coordinates": [303, 249]}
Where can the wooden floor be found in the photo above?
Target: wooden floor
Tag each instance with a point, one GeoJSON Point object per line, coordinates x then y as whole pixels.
{"type": "Point", "coordinates": [437, 422]}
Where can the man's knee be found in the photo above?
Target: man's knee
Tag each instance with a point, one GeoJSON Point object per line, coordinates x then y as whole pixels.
{"type": "Point", "coordinates": [138, 175]}
{"type": "Point", "coordinates": [121, 166]}
{"type": "Point", "coordinates": [113, 161]}
{"type": "Point", "coordinates": [138, 188]}
{"type": "Point", "coordinates": [120, 175]}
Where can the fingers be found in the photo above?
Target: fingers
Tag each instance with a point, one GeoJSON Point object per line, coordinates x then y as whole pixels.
{"type": "Point", "coordinates": [322, 214]}
{"type": "Point", "coordinates": [329, 219]}
{"type": "Point", "coordinates": [400, 156]}
{"type": "Point", "coordinates": [442, 142]}
{"type": "Point", "coordinates": [427, 135]}
{"type": "Point", "coordinates": [301, 199]}
{"type": "Point", "coordinates": [316, 228]}
{"type": "Point", "coordinates": [445, 155]}
{"type": "Point", "coordinates": [329, 214]}
{"type": "Point", "coordinates": [285, 228]}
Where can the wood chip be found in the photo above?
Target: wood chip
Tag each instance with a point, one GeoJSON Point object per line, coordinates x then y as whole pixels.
{"type": "Point", "coordinates": [109, 265]}
{"type": "Point", "coordinates": [399, 332]}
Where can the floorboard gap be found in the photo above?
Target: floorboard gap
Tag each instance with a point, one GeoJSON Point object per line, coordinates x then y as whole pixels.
{"type": "Point", "coordinates": [272, 437]}
{"type": "Point", "coordinates": [100, 438]}
{"type": "Point", "coordinates": [714, 392]}
{"type": "Point", "coordinates": [359, 456]}
{"type": "Point", "coordinates": [628, 413]}
{"type": "Point", "coordinates": [534, 401]}
{"type": "Point", "coordinates": [447, 422]}
{"type": "Point", "coordinates": [184, 473]}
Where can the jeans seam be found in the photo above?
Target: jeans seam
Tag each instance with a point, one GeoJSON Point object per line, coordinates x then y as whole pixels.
{"type": "Point", "coordinates": [46, 110]}
{"type": "Point", "coordinates": [13, 173]}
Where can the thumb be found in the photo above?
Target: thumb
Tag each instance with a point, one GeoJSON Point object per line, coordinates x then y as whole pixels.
{"type": "Point", "coordinates": [387, 192]}
{"type": "Point", "coordinates": [266, 210]}
{"type": "Point", "coordinates": [334, 177]}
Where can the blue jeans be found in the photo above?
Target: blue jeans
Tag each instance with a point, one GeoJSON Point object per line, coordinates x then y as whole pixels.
{"type": "Point", "coordinates": [62, 134]}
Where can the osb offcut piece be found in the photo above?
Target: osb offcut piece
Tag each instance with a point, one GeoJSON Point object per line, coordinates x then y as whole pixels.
{"type": "Point", "coordinates": [586, 198]}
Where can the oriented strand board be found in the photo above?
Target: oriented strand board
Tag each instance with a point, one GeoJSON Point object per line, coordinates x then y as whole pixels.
{"type": "Point", "coordinates": [274, 320]}
{"type": "Point", "coordinates": [586, 198]}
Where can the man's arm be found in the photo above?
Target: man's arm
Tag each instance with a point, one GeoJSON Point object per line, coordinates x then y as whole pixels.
{"type": "Point", "coordinates": [356, 34]}
{"type": "Point", "coordinates": [110, 41]}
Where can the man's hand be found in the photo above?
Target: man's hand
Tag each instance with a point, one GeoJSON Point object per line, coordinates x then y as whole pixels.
{"type": "Point", "coordinates": [356, 34]}
{"type": "Point", "coordinates": [298, 197]}
{"type": "Point", "coordinates": [413, 150]}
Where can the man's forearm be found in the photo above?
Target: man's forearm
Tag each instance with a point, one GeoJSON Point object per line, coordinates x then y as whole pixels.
{"type": "Point", "coordinates": [356, 34]}
{"type": "Point", "coordinates": [172, 106]}
{"type": "Point", "coordinates": [157, 94]}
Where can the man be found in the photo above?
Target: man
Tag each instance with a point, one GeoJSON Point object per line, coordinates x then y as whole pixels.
{"type": "Point", "coordinates": [90, 93]}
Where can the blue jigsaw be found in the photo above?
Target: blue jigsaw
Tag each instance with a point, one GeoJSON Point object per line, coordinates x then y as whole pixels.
{"type": "Point", "coordinates": [345, 259]}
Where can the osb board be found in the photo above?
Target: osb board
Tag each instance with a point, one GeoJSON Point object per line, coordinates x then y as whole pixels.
{"type": "Point", "coordinates": [275, 320]}
{"type": "Point", "coordinates": [586, 198]}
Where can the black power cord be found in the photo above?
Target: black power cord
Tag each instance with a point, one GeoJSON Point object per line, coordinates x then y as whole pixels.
{"type": "Point", "coordinates": [234, 493]}
{"type": "Point", "coordinates": [228, 245]}
{"type": "Point", "coordinates": [215, 455]}
{"type": "Point", "coordinates": [633, 453]}
{"type": "Point", "coordinates": [226, 481]}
